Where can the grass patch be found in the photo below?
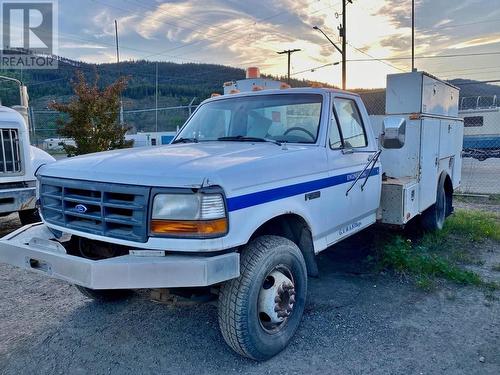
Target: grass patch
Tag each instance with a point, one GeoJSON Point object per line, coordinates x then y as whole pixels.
{"type": "Point", "coordinates": [405, 258]}
{"type": "Point", "coordinates": [474, 225]}
{"type": "Point", "coordinates": [441, 255]}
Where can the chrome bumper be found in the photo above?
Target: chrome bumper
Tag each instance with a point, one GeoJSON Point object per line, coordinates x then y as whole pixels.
{"type": "Point", "coordinates": [33, 248]}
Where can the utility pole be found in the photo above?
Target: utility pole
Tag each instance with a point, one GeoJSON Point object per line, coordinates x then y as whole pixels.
{"type": "Point", "coordinates": [342, 33]}
{"type": "Point", "coordinates": [117, 47]}
{"type": "Point", "coordinates": [156, 99]}
{"type": "Point", "coordinates": [412, 35]}
{"type": "Point", "coordinates": [289, 53]}
{"type": "Point", "coordinates": [119, 70]}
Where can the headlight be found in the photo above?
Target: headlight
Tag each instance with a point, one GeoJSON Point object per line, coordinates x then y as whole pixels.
{"type": "Point", "coordinates": [195, 215]}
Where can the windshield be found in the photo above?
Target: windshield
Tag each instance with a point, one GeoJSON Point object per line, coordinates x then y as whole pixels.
{"type": "Point", "coordinates": [283, 118]}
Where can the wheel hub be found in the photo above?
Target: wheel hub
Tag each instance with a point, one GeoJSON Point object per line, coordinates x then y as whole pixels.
{"type": "Point", "coordinates": [276, 299]}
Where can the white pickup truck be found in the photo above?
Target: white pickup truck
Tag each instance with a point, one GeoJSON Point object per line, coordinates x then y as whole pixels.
{"type": "Point", "coordinates": [253, 187]}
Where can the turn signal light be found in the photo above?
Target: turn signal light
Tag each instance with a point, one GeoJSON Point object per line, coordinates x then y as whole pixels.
{"type": "Point", "coordinates": [198, 228]}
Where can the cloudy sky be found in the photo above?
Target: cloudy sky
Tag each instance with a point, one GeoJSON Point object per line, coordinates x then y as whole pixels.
{"type": "Point", "coordinates": [247, 33]}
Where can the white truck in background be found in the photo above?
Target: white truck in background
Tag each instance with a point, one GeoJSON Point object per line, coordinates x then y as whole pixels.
{"type": "Point", "coordinates": [18, 161]}
{"type": "Point", "coordinates": [252, 188]}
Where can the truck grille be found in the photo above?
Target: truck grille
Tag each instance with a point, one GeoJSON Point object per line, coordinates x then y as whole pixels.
{"type": "Point", "coordinates": [10, 155]}
{"type": "Point", "coordinates": [111, 210]}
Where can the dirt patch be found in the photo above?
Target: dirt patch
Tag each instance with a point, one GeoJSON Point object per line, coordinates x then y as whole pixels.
{"type": "Point", "coordinates": [9, 224]}
{"type": "Point", "coordinates": [489, 203]}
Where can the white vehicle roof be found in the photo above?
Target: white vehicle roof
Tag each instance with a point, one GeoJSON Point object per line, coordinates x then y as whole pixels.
{"type": "Point", "coordinates": [298, 90]}
{"type": "Point", "coordinates": [10, 115]}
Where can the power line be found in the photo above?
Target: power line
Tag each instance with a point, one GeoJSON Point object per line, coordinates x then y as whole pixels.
{"type": "Point", "coordinates": [49, 81]}
{"type": "Point", "coordinates": [432, 57]}
{"type": "Point", "coordinates": [157, 9]}
{"type": "Point", "coordinates": [477, 82]}
{"type": "Point", "coordinates": [315, 68]}
{"type": "Point", "coordinates": [451, 26]}
{"type": "Point", "coordinates": [180, 57]}
{"type": "Point", "coordinates": [289, 52]}
{"type": "Point", "coordinates": [468, 69]}
{"type": "Point", "coordinates": [226, 32]}
{"type": "Point", "coordinates": [131, 12]}
{"type": "Point", "coordinates": [473, 74]}
{"type": "Point", "coordinates": [375, 58]}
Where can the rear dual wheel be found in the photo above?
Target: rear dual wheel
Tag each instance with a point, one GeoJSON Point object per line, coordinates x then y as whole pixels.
{"type": "Point", "coordinates": [433, 218]}
{"type": "Point", "coordinates": [260, 311]}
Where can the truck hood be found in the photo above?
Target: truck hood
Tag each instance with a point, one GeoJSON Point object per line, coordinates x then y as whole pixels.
{"type": "Point", "coordinates": [180, 165]}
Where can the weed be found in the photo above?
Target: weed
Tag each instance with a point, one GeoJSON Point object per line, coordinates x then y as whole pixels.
{"type": "Point", "coordinates": [425, 283]}
{"type": "Point", "coordinates": [438, 254]}
{"type": "Point", "coordinates": [400, 255]}
{"type": "Point", "coordinates": [474, 225]}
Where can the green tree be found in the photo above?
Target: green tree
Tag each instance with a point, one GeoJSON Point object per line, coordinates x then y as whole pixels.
{"type": "Point", "coordinates": [91, 117]}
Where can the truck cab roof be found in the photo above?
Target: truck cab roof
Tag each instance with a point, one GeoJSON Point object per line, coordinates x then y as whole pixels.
{"type": "Point", "coordinates": [287, 91]}
{"type": "Point", "coordinates": [11, 116]}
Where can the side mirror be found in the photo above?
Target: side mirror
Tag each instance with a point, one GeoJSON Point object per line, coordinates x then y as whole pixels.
{"type": "Point", "coordinates": [393, 132]}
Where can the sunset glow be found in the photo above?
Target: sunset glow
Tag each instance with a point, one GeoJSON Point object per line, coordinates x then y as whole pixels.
{"type": "Point", "coordinates": [250, 33]}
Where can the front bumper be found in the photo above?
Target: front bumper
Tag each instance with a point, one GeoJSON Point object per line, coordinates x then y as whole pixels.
{"type": "Point", "coordinates": [13, 200]}
{"type": "Point", "coordinates": [33, 248]}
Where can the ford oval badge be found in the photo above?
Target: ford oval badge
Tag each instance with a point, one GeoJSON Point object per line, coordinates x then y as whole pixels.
{"type": "Point", "coordinates": [81, 208]}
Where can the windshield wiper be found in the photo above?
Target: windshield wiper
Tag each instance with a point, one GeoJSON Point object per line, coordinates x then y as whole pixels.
{"type": "Point", "coordinates": [242, 138]}
{"type": "Point", "coordinates": [185, 140]}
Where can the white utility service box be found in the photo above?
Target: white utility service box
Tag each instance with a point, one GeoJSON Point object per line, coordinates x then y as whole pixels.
{"type": "Point", "coordinates": [424, 140]}
{"type": "Point", "coordinates": [420, 92]}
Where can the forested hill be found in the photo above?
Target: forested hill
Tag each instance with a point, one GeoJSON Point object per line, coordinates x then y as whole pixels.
{"type": "Point", "coordinates": [178, 83]}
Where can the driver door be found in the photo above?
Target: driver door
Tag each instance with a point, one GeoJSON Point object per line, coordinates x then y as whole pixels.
{"type": "Point", "coordinates": [349, 151]}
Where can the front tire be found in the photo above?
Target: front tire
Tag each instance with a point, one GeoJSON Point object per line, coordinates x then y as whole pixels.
{"type": "Point", "coordinates": [106, 295]}
{"type": "Point", "coordinates": [260, 311]}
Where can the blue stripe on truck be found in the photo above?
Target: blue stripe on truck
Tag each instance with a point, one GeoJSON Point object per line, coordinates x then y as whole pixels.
{"type": "Point", "coordinates": [265, 196]}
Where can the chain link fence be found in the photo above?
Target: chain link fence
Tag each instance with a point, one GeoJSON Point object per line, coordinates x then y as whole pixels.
{"type": "Point", "coordinates": [44, 123]}
{"type": "Point", "coordinates": [479, 106]}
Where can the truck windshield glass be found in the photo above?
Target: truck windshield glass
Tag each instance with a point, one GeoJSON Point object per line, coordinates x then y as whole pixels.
{"type": "Point", "coordinates": [283, 118]}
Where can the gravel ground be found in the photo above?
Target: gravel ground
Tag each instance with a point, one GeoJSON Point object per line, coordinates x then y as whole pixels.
{"type": "Point", "coordinates": [477, 203]}
{"type": "Point", "coordinates": [355, 322]}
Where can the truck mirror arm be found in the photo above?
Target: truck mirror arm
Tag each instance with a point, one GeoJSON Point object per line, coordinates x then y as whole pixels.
{"type": "Point", "coordinates": [372, 161]}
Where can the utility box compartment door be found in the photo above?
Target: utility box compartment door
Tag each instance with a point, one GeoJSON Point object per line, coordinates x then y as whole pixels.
{"type": "Point", "coordinates": [438, 97]}
{"type": "Point", "coordinates": [399, 202]}
{"type": "Point", "coordinates": [429, 161]}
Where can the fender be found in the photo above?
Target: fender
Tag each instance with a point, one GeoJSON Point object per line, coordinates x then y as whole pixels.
{"type": "Point", "coordinates": [38, 158]}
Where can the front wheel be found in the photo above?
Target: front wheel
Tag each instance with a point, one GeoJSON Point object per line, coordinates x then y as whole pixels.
{"type": "Point", "coordinates": [260, 311]}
